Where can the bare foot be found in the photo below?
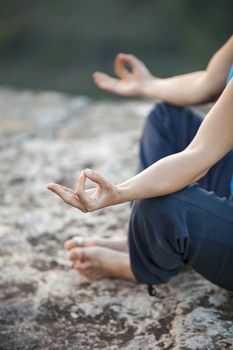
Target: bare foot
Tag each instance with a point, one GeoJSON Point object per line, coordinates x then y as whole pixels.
{"type": "Point", "coordinates": [120, 245]}
{"type": "Point", "coordinates": [95, 262]}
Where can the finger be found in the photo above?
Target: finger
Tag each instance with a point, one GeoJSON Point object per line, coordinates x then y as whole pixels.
{"type": "Point", "coordinates": [106, 82]}
{"type": "Point", "coordinates": [129, 59]}
{"type": "Point", "coordinates": [80, 188]}
{"type": "Point", "coordinates": [67, 195]}
{"type": "Point", "coordinates": [119, 65]}
{"type": "Point", "coordinates": [58, 188]}
{"type": "Point", "coordinates": [97, 178]}
{"type": "Point", "coordinates": [120, 62]}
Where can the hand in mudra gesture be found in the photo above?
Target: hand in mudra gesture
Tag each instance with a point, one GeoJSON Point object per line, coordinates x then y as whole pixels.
{"type": "Point", "coordinates": [87, 200]}
{"type": "Point", "coordinates": [129, 82]}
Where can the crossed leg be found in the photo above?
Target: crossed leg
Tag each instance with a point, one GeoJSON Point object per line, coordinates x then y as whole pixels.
{"type": "Point", "coordinates": [168, 130]}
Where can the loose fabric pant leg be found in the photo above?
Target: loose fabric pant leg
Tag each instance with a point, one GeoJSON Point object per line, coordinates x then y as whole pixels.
{"type": "Point", "coordinates": [170, 129]}
{"type": "Point", "coordinates": [191, 226]}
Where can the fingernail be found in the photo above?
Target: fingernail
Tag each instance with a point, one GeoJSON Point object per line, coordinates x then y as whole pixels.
{"type": "Point", "coordinates": [89, 172]}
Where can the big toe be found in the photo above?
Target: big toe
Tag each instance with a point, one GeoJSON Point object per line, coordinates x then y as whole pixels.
{"type": "Point", "coordinates": [69, 244]}
{"type": "Point", "coordinates": [79, 241]}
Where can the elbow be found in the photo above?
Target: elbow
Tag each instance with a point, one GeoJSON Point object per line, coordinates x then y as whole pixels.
{"type": "Point", "coordinates": [200, 176]}
{"type": "Point", "coordinates": [199, 163]}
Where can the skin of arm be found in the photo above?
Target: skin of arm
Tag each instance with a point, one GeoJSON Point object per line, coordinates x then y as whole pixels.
{"type": "Point", "coordinates": [212, 141]}
{"type": "Point", "coordinates": [188, 89]}
{"type": "Point", "coordinates": [198, 87]}
{"type": "Point", "coordinates": [170, 174]}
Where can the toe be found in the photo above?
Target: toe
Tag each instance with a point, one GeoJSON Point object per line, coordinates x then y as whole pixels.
{"type": "Point", "coordinates": [82, 266]}
{"type": "Point", "coordinates": [70, 244]}
{"type": "Point", "coordinates": [76, 241]}
{"type": "Point", "coordinates": [76, 253]}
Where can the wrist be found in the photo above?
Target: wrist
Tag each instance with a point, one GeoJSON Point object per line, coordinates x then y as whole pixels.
{"type": "Point", "coordinates": [123, 193]}
{"type": "Point", "coordinates": [150, 87]}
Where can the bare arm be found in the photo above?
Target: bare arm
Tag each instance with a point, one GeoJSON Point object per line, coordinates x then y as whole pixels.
{"type": "Point", "coordinates": [188, 89]}
{"type": "Point", "coordinates": [212, 141]}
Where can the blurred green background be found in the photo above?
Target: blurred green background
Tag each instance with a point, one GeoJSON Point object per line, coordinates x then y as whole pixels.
{"type": "Point", "coordinates": [57, 44]}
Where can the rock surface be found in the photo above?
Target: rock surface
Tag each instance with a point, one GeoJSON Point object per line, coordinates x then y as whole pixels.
{"type": "Point", "coordinates": [44, 304]}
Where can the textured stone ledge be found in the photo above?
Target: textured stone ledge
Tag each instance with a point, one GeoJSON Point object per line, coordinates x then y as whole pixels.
{"type": "Point", "coordinates": [44, 304]}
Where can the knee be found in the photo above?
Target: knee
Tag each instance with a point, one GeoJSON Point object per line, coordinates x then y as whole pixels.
{"type": "Point", "coordinates": [155, 247]}
{"type": "Point", "coordinates": [163, 118]}
{"type": "Point", "coordinates": [140, 207]}
{"type": "Point", "coordinates": [153, 207]}
{"type": "Point", "coordinates": [163, 208]}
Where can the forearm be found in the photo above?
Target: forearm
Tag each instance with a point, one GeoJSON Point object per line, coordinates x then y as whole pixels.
{"type": "Point", "coordinates": [194, 88]}
{"type": "Point", "coordinates": [182, 90]}
{"type": "Point", "coordinates": [213, 139]}
{"type": "Point", "coordinates": [168, 175]}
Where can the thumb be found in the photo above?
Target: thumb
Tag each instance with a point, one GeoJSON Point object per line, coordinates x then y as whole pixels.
{"type": "Point", "coordinates": [97, 178]}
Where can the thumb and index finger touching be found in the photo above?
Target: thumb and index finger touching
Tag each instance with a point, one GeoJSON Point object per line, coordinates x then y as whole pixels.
{"type": "Point", "coordinates": [119, 65]}
{"type": "Point", "coordinates": [96, 177]}
{"type": "Point", "coordinates": [80, 191]}
{"type": "Point", "coordinates": [108, 82]}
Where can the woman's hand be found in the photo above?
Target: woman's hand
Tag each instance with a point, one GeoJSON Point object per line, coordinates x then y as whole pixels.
{"type": "Point", "coordinates": [129, 82]}
{"type": "Point", "coordinates": [103, 195]}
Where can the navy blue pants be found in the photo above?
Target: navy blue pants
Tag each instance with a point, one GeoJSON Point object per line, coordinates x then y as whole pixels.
{"type": "Point", "coordinates": [193, 226]}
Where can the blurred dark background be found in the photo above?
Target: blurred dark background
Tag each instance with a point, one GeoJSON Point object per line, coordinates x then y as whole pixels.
{"type": "Point", "coordinates": [57, 44]}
